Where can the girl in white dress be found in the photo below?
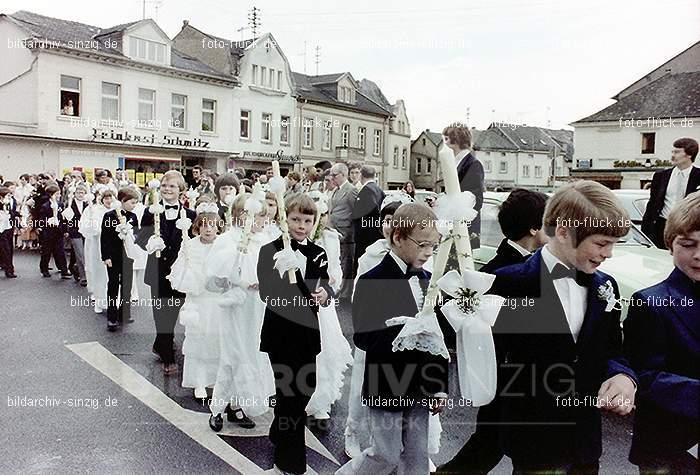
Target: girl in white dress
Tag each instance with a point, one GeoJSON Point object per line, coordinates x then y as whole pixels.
{"type": "Point", "coordinates": [90, 226]}
{"type": "Point", "coordinates": [200, 314]}
{"type": "Point", "coordinates": [244, 380]}
{"type": "Point", "coordinates": [336, 354]}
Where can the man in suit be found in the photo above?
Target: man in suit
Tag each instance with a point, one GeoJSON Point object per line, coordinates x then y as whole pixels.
{"type": "Point", "coordinates": [290, 332]}
{"type": "Point", "coordinates": [120, 268]}
{"type": "Point", "coordinates": [340, 212]}
{"type": "Point", "coordinates": [670, 186]}
{"type": "Point", "coordinates": [166, 300]}
{"type": "Point", "coordinates": [562, 342]}
{"type": "Point", "coordinates": [662, 342]}
{"type": "Point", "coordinates": [470, 172]}
{"type": "Point", "coordinates": [8, 206]}
{"type": "Point", "coordinates": [52, 233]}
{"type": "Point", "coordinates": [400, 388]}
{"type": "Point", "coordinates": [520, 218]}
{"type": "Point", "coordinates": [365, 215]}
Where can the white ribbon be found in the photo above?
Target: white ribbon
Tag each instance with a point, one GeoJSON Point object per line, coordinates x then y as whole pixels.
{"type": "Point", "coordinates": [476, 352]}
{"type": "Point", "coordinates": [154, 244]}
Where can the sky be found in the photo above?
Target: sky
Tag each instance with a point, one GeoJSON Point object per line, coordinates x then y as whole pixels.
{"type": "Point", "coordinates": [536, 62]}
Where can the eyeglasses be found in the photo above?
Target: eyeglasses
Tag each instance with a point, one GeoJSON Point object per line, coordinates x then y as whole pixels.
{"type": "Point", "coordinates": [425, 245]}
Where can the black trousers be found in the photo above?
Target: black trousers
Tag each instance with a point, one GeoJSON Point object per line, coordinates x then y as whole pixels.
{"type": "Point", "coordinates": [482, 452]}
{"type": "Point", "coordinates": [295, 382]}
{"type": "Point", "coordinates": [165, 312]}
{"type": "Point", "coordinates": [7, 251]}
{"type": "Point", "coordinates": [657, 232]}
{"type": "Point", "coordinates": [51, 241]}
{"type": "Point", "coordinates": [120, 276]}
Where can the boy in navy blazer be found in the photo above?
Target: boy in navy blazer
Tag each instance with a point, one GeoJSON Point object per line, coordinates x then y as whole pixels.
{"type": "Point", "coordinates": [662, 342]}
{"type": "Point", "coordinates": [562, 342]}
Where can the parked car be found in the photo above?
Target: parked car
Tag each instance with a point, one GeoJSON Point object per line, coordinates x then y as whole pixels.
{"type": "Point", "coordinates": [635, 202]}
{"type": "Point", "coordinates": [422, 196]}
{"type": "Point", "coordinates": [636, 263]}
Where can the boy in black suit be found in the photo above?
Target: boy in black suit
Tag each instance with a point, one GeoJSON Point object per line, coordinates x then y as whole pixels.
{"type": "Point", "coordinates": [120, 268]}
{"type": "Point", "coordinates": [166, 300]}
{"type": "Point", "coordinates": [8, 205]}
{"type": "Point", "coordinates": [520, 218]}
{"type": "Point", "coordinates": [52, 233]}
{"type": "Point", "coordinates": [77, 206]}
{"type": "Point", "coordinates": [400, 388]}
{"type": "Point", "coordinates": [662, 342]}
{"type": "Point", "coordinates": [290, 332]}
{"type": "Point", "coordinates": [670, 186]}
{"type": "Point", "coordinates": [562, 342]}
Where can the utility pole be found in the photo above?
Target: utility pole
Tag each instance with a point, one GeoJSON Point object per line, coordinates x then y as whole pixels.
{"type": "Point", "coordinates": [318, 57]}
{"type": "Point", "coordinates": [254, 21]}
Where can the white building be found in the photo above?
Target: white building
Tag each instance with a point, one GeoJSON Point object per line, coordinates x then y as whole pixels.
{"type": "Point", "coordinates": [340, 122]}
{"type": "Point", "coordinates": [622, 145]}
{"type": "Point", "coordinates": [262, 126]}
{"type": "Point", "coordinates": [77, 96]}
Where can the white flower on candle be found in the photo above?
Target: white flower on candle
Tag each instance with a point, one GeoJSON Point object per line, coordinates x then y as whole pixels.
{"type": "Point", "coordinates": [207, 208]}
{"type": "Point", "coordinates": [277, 184]}
{"type": "Point", "coordinates": [230, 198]}
{"type": "Point", "coordinates": [192, 195]}
{"type": "Point", "coordinates": [183, 224]}
{"type": "Point", "coordinates": [156, 208]}
{"type": "Point", "coordinates": [154, 184]}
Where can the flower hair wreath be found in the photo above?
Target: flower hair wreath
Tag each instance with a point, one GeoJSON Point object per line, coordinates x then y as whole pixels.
{"type": "Point", "coordinates": [207, 208]}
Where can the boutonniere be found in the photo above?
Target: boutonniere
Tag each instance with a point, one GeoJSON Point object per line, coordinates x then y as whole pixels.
{"type": "Point", "coordinates": [606, 293]}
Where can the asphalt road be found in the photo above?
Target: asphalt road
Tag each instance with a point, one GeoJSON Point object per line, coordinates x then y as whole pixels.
{"type": "Point", "coordinates": [83, 421]}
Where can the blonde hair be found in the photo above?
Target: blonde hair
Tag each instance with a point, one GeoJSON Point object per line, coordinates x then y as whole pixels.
{"type": "Point", "coordinates": [587, 208]}
{"type": "Point", "coordinates": [210, 217]}
{"type": "Point", "coordinates": [175, 176]}
{"type": "Point", "coordinates": [301, 203]}
{"type": "Point", "coordinates": [458, 134]}
{"type": "Point", "coordinates": [410, 216]}
{"type": "Point", "coordinates": [683, 219]}
{"type": "Point", "coordinates": [238, 209]}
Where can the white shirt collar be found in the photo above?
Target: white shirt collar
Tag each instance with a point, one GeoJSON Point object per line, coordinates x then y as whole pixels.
{"type": "Point", "coordinates": [550, 259]}
{"type": "Point", "coordinates": [519, 248]}
{"type": "Point", "coordinates": [402, 265]}
{"type": "Point", "coordinates": [684, 173]}
{"type": "Point", "coordinates": [460, 156]}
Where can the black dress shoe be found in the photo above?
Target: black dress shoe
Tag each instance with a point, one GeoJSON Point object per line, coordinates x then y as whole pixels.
{"type": "Point", "coordinates": [46, 274]}
{"type": "Point", "coordinates": [112, 327]}
{"type": "Point", "coordinates": [65, 275]}
{"type": "Point", "coordinates": [216, 422]}
{"type": "Point", "coordinates": [238, 417]}
{"type": "Point", "coordinates": [11, 275]}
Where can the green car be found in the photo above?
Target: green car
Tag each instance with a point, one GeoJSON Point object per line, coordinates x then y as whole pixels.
{"type": "Point", "coordinates": [636, 263]}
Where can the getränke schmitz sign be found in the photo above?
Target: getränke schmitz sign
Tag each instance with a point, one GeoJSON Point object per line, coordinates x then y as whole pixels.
{"type": "Point", "coordinates": [110, 135]}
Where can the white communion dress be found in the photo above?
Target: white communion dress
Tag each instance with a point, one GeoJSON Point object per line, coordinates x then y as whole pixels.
{"type": "Point", "coordinates": [90, 226]}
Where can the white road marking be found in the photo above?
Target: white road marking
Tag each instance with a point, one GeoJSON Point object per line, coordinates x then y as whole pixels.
{"type": "Point", "coordinates": [192, 423]}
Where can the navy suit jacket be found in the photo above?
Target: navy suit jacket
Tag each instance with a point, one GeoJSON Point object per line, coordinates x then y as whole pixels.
{"type": "Point", "coordinates": [470, 173]}
{"type": "Point", "coordinates": [401, 377]}
{"type": "Point", "coordinates": [662, 342]}
{"type": "Point", "coordinates": [544, 365]}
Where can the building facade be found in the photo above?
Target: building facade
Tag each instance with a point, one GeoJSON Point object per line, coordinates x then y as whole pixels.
{"type": "Point", "coordinates": [622, 145]}
{"type": "Point", "coordinates": [423, 163]}
{"type": "Point", "coordinates": [83, 97]}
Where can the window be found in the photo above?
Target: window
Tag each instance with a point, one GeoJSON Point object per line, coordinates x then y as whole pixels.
{"type": "Point", "coordinates": [531, 155]}
{"type": "Point", "coordinates": [70, 96]}
{"type": "Point", "coordinates": [503, 154]}
{"type": "Point", "coordinates": [263, 76]}
{"type": "Point", "coordinates": [361, 132]}
{"type": "Point", "coordinates": [345, 135]}
{"type": "Point", "coordinates": [178, 111]}
{"type": "Point", "coordinates": [488, 166]}
{"type": "Point", "coordinates": [245, 124]}
{"type": "Point", "coordinates": [254, 78]}
{"type": "Point", "coordinates": [265, 132]}
{"type": "Point", "coordinates": [396, 157]}
{"type": "Point", "coordinates": [327, 135]}
{"type": "Point", "coordinates": [308, 127]}
{"type": "Point", "coordinates": [429, 166]}
{"type": "Point", "coordinates": [147, 107]}
{"type": "Point", "coordinates": [110, 102]}
{"type": "Point", "coordinates": [146, 50]}
{"type": "Point", "coordinates": [279, 80]}
{"type": "Point", "coordinates": [377, 141]}
{"type": "Point", "coordinates": [648, 142]}
{"type": "Point", "coordinates": [424, 142]}
{"type": "Point", "coordinates": [284, 129]}
{"type": "Point", "coordinates": [272, 78]}
{"type": "Point", "coordinates": [208, 115]}
{"type": "Point", "coordinates": [538, 171]}
{"type": "Point", "coordinates": [419, 166]}
{"type": "Point", "coordinates": [404, 155]}
{"type": "Point", "coordinates": [504, 167]}
{"type": "Point", "coordinates": [526, 170]}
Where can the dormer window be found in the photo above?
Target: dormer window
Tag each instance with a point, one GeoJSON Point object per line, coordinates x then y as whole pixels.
{"type": "Point", "coordinates": [146, 50]}
{"type": "Point", "coordinates": [346, 94]}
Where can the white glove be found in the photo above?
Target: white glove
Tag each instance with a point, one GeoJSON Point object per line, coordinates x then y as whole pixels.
{"type": "Point", "coordinates": [392, 322]}
{"type": "Point", "coordinates": [287, 259]}
{"type": "Point", "coordinates": [124, 229]}
{"type": "Point", "coordinates": [155, 243]}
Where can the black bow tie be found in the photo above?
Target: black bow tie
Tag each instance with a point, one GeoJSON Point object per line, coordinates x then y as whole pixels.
{"type": "Point", "coordinates": [297, 245]}
{"type": "Point", "coordinates": [167, 207]}
{"type": "Point", "coordinates": [413, 272]}
{"type": "Point", "coordinates": [561, 272]}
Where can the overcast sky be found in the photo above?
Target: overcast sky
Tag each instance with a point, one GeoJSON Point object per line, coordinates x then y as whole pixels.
{"type": "Point", "coordinates": [533, 62]}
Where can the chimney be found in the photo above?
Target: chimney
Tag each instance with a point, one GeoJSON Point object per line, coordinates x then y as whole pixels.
{"type": "Point", "coordinates": [185, 23]}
